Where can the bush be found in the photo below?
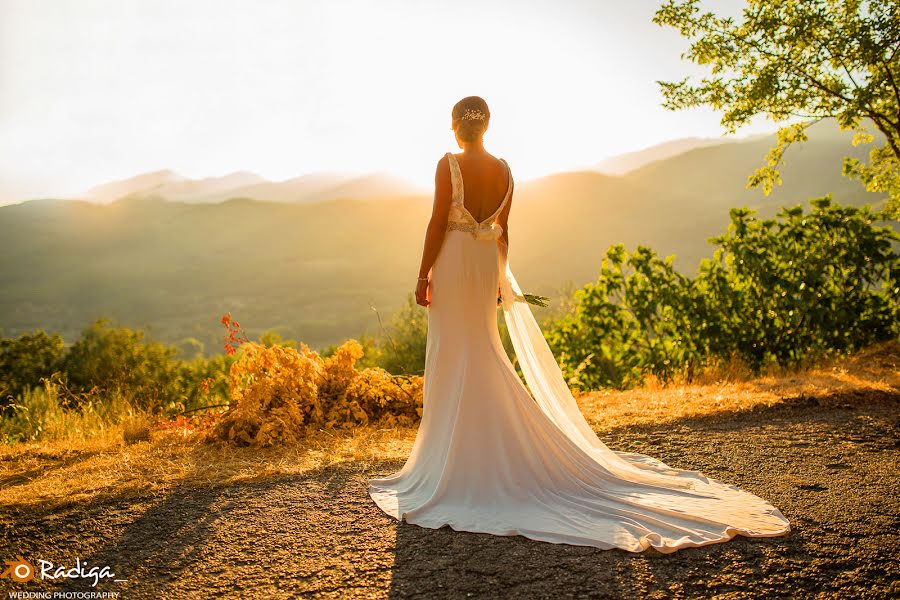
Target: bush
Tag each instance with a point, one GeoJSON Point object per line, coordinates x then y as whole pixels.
{"type": "Point", "coordinates": [278, 393]}
{"type": "Point", "coordinates": [274, 393]}
{"type": "Point", "coordinates": [25, 360]}
{"type": "Point", "coordinates": [117, 360]}
{"type": "Point", "coordinates": [777, 292]}
{"type": "Point", "coordinates": [400, 349]}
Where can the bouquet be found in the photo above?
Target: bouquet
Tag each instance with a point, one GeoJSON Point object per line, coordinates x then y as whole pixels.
{"type": "Point", "coordinates": [530, 299]}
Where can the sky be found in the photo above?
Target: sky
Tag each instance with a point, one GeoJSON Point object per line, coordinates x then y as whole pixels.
{"type": "Point", "coordinates": [93, 91]}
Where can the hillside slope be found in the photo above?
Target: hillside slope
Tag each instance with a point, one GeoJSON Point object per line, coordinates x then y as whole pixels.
{"type": "Point", "coordinates": [314, 271]}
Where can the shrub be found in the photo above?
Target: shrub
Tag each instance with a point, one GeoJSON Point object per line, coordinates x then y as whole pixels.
{"type": "Point", "coordinates": [117, 360]}
{"type": "Point", "coordinates": [274, 394]}
{"type": "Point", "coordinates": [400, 347]}
{"type": "Point", "coordinates": [777, 292]}
{"type": "Point", "coordinates": [25, 360]}
{"type": "Point", "coordinates": [278, 393]}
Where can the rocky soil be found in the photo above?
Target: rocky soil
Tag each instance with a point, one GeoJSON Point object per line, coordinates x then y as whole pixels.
{"type": "Point", "coordinates": [830, 466]}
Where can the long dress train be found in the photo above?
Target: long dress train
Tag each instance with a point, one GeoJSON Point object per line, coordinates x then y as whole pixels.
{"type": "Point", "coordinates": [490, 457]}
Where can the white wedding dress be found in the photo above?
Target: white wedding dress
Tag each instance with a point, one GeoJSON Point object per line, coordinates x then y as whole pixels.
{"type": "Point", "coordinates": [490, 457]}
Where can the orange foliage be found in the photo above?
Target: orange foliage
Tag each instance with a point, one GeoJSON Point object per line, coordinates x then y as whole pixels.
{"type": "Point", "coordinates": [278, 393]}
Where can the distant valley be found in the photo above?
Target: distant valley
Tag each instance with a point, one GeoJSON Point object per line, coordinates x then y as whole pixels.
{"type": "Point", "coordinates": [310, 257]}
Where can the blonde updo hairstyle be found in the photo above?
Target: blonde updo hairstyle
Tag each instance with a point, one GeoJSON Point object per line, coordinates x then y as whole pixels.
{"type": "Point", "coordinates": [470, 130]}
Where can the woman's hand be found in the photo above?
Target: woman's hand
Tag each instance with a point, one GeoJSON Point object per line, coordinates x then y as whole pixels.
{"type": "Point", "coordinates": [423, 295]}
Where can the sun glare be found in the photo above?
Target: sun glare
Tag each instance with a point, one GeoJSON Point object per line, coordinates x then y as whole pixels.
{"type": "Point", "coordinates": [102, 90]}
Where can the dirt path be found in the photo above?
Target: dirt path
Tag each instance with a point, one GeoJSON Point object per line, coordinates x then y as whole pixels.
{"type": "Point", "coordinates": [831, 468]}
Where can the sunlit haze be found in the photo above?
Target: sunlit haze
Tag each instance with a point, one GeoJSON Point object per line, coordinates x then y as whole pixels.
{"type": "Point", "coordinates": [98, 90]}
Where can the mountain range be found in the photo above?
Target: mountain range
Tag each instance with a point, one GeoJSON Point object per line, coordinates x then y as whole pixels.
{"type": "Point", "coordinates": [315, 187]}
{"type": "Point", "coordinates": [322, 186]}
{"type": "Point", "coordinates": [321, 257]}
{"type": "Point", "coordinates": [624, 163]}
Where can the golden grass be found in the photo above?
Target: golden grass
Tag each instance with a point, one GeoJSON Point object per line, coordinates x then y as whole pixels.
{"type": "Point", "coordinates": [43, 418]}
{"type": "Point", "coordinates": [60, 473]}
{"type": "Point", "coordinates": [52, 474]}
{"type": "Point", "coordinates": [875, 369]}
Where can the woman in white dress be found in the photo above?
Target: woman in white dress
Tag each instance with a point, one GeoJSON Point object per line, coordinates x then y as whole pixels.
{"type": "Point", "coordinates": [492, 456]}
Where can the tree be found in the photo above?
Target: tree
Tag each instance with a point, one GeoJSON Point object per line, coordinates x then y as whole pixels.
{"type": "Point", "coordinates": [119, 360]}
{"type": "Point", "coordinates": [809, 59]}
{"type": "Point", "coordinates": [25, 360]}
{"type": "Point", "coordinates": [785, 291]}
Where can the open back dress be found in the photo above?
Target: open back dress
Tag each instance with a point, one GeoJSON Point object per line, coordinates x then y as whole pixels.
{"type": "Point", "coordinates": [494, 456]}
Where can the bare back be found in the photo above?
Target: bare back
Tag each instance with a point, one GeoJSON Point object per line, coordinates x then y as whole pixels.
{"type": "Point", "coordinates": [485, 183]}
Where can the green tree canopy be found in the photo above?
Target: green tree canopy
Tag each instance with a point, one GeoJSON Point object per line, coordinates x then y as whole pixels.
{"type": "Point", "coordinates": [26, 359]}
{"type": "Point", "coordinates": [786, 291]}
{"type": "Point", "coordinates": [807, 59]}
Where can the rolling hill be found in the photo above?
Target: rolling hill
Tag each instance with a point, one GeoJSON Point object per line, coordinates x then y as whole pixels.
{"type": "Point", "coordinates": [623, 163]}
{"type": "Point", "coordinates": [314, 187]}
{"type": "Point", "coordinates": [314, 269]}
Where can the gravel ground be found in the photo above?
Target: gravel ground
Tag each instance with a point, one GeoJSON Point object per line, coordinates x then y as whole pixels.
{"type": "Point", "coordinates": [830, 466]}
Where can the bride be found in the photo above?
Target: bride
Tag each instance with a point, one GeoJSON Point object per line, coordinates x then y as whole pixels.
{"type": "Point", "coordinates": [492, 456]}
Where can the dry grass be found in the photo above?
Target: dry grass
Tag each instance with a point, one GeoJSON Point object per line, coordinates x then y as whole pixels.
{"type": "Point", "coordinates": [63, 472]}
{"type": "Point", "coordinates": [875, 369]}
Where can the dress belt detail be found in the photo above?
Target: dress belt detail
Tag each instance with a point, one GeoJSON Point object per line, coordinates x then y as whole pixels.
{"type": "Point", "coordinates": [484, 231]}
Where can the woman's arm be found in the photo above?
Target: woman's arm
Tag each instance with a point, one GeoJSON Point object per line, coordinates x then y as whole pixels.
{"type": "Point", "coordinates": [440, 213]}
{"type": "Point", "coordinates": [437, 227]}
{"type": "Point", "coordinates": [503, 221]}
{"type": "Point", "coordinates": [503, 240]}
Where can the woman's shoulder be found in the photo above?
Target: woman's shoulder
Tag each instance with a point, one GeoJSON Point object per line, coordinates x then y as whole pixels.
{"type": "Point", "coordinates": [488, 158]}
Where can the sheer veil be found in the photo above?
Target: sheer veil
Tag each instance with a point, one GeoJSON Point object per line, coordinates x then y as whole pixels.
{"type": "Point", "coordinates": [549, 389]}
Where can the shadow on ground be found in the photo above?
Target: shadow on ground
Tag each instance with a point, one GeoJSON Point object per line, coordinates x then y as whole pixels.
{"type": "Point", "coordinates": [829, 464]}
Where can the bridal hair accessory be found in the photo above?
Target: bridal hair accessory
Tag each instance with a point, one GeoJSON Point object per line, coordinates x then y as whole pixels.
{"type": "Point", "coordinates": [473, 114]}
